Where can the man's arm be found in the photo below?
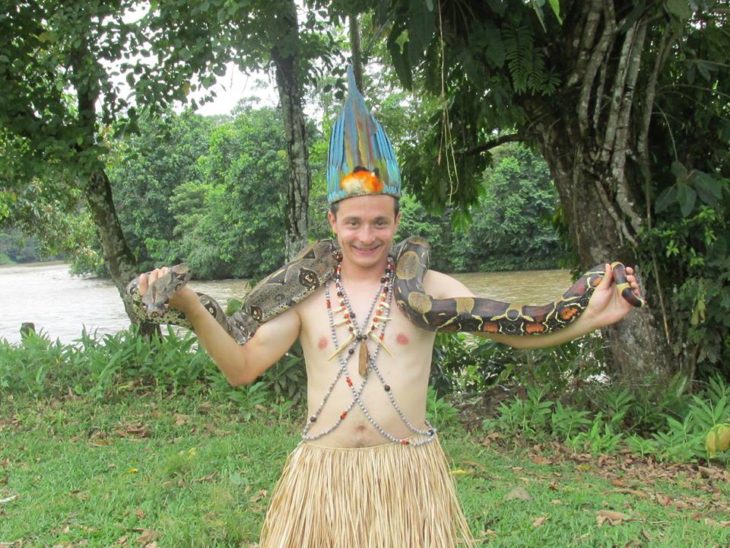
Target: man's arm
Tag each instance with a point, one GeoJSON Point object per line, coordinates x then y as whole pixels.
{"type": "Point", "coordinates": [605, 307]}
{"type": "Point", "coordinates": [241, 364]}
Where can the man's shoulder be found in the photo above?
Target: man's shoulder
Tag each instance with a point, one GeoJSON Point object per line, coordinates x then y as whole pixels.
{"type": "Point", "coordinates": [310, 303]}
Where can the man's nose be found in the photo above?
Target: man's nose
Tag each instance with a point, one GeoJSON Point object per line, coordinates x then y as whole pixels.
{"type": "Point", "coordinates": [367, 235]}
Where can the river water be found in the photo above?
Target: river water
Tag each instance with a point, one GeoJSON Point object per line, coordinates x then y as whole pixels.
{"type": "Point", "coordinates": [62, 305]}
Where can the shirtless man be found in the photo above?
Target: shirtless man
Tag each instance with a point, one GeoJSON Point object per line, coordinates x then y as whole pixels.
{"type": "Point", "coordinates": [370, 470]}
{"type": "Point", "coordinates": [365, 227]}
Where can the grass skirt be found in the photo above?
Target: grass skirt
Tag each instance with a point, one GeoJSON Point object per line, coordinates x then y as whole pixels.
{"type": "Point", "coordinates": [382, 496]}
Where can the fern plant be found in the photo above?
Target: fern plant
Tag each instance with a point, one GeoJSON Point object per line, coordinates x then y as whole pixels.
{"type": "Point", "coordinates": [567, 421]}
{"type": "Point", "coordinates": [600, 438]}
{"type": "Point", "coordinates": [526, 63]}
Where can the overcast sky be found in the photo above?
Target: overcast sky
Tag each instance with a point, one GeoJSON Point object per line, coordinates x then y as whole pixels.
{"type": "Point", "coordinates": [233, 87]}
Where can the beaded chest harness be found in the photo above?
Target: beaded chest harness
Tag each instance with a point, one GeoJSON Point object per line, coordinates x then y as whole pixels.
{"type": "Point", "coordinates": [377, 318]}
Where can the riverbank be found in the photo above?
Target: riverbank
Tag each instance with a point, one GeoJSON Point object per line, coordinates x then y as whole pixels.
{"type": "Point", "coordinates": [39, 264]}
{"type": "Point", "coordinates": [62, 305]}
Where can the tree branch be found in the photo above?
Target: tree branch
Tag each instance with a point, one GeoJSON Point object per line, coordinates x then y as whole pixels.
{"type": "Point", "coordinates": [592, 18]}
{"type": "Point", "coordinates": [502, 139]}
{"type": "Point", "coordinates": [621, 146]}
{"type": "Point", "coordinates": [356, 51]}
{"type": "Point", "coordinates": [642, 145]}
{"type": "Point", "coordinates": [619, 85]}
{"type": "Point", "coordinates": [597, 58]}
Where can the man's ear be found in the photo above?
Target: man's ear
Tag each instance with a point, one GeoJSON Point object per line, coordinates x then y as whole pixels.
{"type": "Point", "coordinates": [332, 221]}
{"type": "Point", "coordinates": [397, 221]}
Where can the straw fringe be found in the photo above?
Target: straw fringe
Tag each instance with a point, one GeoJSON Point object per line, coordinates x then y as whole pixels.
{"type": "Point", "coordinates": [383, 496]}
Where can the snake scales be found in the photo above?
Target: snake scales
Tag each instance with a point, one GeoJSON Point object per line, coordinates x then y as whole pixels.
{"type": "Point", "coordinates": [315, 266]}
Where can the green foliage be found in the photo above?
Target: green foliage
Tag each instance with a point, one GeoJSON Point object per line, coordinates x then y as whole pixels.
{"type": "Point", "coordinates": [511, 224]}
{"type": "Point", "coordinates": [207, 192]}
{"type": "Point", "coordinates": [465, 363]}
{"type": "Point", "coordinates": [677, 433]}
{"type": "Point", "coordinates": [114, 366]}
{"type": "Point", "coordinates": [439, 411]}
{"type": "Point", "coordinates": [145, 169]}
{"type": "Point", "coordinates": [566, 422]}
{"type": "Point", "coordinates": [61, 62]}
{"type": "Point", "coordinates": [528, 417]}
{"type": "Point", "coordinates": [526, 63]}
{"type": "Point", "coordinates": [698, 247]}
{"type": "Point", "coordinates": [600, 438]}
{"type": "Point", "coordinates": [287, 380]}
{"type": "Point", "coordinates": [16, 247]}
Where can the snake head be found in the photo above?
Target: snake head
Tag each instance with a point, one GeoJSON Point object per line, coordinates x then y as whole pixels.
{"type": "Point", "coordinates": [635, 298]}
{"type": "Point", "coordinates": [156, 300]}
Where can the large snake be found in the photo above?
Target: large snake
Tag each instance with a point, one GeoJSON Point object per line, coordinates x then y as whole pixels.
{"type": "Point", "coordinates": [315, 266]}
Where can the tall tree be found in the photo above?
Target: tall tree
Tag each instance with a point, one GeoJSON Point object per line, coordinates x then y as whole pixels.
{"type": "Point", "coordinates": [60, 72]}
{"type": "Point", "coordinates": [582, 81]}
{"type": "Point", "coordinates": [258, 35]}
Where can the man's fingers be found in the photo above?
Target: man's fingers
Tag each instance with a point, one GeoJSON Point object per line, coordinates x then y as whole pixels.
{"type": "Point", "coordinates": [143, 284]}
{"type": "Point", "coordinates": [607, 278]}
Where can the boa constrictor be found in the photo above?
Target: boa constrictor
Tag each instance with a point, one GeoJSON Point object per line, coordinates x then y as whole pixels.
{"type": "Point", "coordinates": [315, 266]}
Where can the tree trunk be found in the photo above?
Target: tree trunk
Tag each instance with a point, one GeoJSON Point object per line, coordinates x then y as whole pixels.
{"type": "Point", "coordinates": [117, 256]}
{"type": "Point", "coordinates": [589, 139]}
{"type": "Point", "coordinates": [356, 51]}
{"type": "Point", "coordinates": [636, 347]}
{"type": "Point", "coordinates": [286, 60]}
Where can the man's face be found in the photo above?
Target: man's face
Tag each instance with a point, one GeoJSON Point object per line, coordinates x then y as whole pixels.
{"type": "Point", "coordinates": [365, 227]}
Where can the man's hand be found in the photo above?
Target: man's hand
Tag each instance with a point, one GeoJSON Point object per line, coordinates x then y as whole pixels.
{"type": "Point", "coordinates": [607, 306]}
{"type": "Point", "coordinates": [182, 299]}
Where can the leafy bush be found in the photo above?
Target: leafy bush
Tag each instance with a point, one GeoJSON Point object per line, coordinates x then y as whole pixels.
{"type": "Point", "coordinates": [113, 365]}
{"type": "Point", "coordinates": [528, 416]}
{"type": "Point", "coordinates": [465, 363]}
{"type": "Point", "coordinates": [599, 438]}
{"type": "Point", "coordinates": [566, 422]}
{"type": "Point", "coordinates": [439, 411]}
{"type": "Point", "coordinates": [678, 437]}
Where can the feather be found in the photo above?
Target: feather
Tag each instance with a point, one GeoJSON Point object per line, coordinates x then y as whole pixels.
{"type": "Point", "coordinates": [359, 141]}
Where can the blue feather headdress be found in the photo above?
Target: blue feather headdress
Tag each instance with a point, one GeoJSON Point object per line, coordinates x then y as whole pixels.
{"type": "Point", "coordinates": [361, 159]}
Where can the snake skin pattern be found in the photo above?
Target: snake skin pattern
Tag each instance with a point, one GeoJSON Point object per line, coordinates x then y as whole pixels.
{"type": "Point", "coordinates": [315, 266]}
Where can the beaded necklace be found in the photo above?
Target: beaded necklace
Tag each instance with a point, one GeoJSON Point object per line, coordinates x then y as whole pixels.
{"type": "Point", "coordinates": [367, 361]}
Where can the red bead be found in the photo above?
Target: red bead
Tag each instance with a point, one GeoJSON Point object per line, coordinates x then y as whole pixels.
{"type": "Point", "coordinates": [343, 415]}
{"type": "Point", "coordinates": [405, 442]}
{"type": "Point", "coordinates": [349, 382]}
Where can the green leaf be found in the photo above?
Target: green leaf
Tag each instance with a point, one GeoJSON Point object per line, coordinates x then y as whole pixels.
{"type": "Point", "coordinates": [495, 47]}
{"type": "Point", "coordinates": [679, 171]}
{"type": "Point", "coordinates": [680, 9]}
{"type": "Point", "coordinates": [555, 5]}
{"type": "Point", "coordinates": [686, 196]}
{"type": "Point", "coordinates": [665, 199]}
{"type": "Point", "coordinates": [708, 188]}
{"type": "Point", "coordinates": [400, 61]}
{"type": "Point", "coordinates": [537, 8]}
{"type": "Point", "coordinates": [421, 28]}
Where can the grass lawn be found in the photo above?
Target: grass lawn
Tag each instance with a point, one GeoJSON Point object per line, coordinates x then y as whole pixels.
{"type": "Point", "coordinates": [185, 471]}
